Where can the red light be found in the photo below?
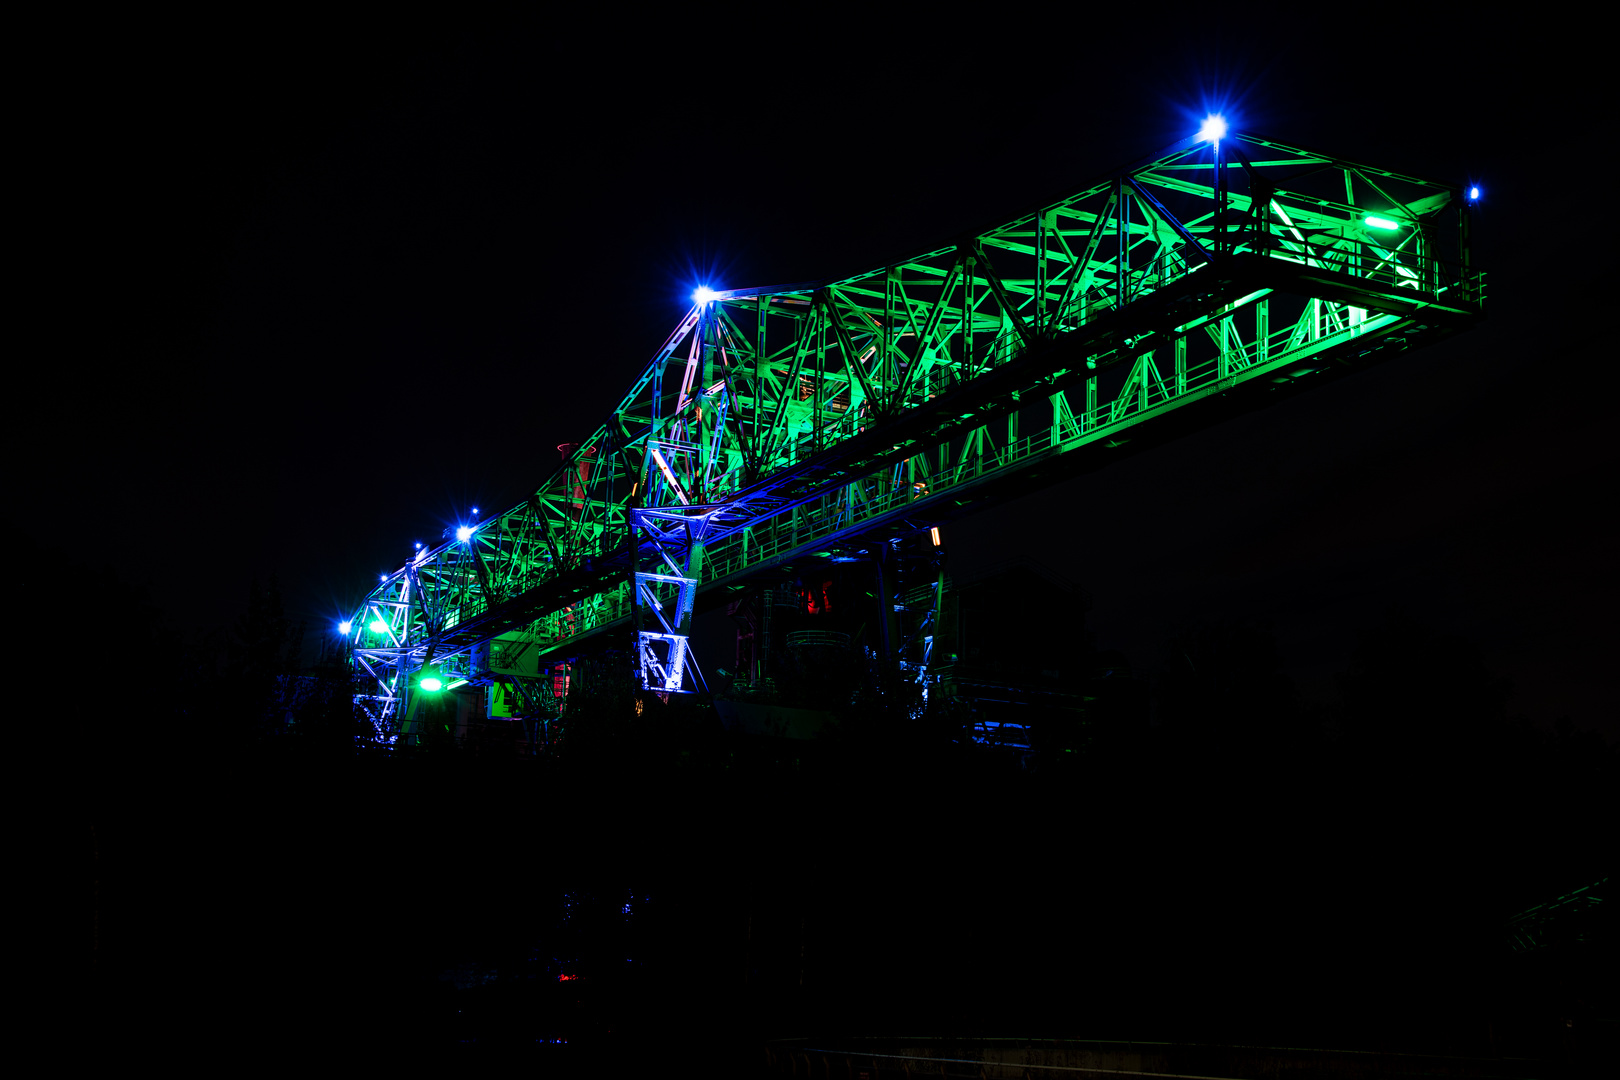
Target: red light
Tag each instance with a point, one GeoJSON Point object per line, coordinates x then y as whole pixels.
{"type": "Point", "coordinates": [817, 598]}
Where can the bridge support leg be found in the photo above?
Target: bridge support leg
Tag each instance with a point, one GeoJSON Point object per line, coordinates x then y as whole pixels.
{"type": "Point", "coordinates": [664, 588]}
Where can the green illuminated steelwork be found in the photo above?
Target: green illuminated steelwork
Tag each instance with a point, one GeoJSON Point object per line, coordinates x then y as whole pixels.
{"type": "Point", "coordinates": [1566, 920]}
{"type": "Point", "coordinates": [778, 423]}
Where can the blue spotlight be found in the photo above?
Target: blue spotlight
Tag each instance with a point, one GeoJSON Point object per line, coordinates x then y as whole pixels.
{"type": "Point", "coordinates": [703, 295]}
{"type": "Point", "coordinates": [343, 627]}
{"type": "Point", "coordinates": [464, 533]}
{"type": "Point", "coordinates": [1473, 193]}
{"type": "Point", "coordinates": [1214, 129]}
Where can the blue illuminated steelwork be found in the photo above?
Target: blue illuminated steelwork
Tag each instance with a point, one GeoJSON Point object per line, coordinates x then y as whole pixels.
{"type": "Point", "coordinates": [666, 590]}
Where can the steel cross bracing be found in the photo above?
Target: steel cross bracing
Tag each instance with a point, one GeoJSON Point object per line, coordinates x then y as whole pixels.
{"type": "Point", "coordinates": [778, 423]}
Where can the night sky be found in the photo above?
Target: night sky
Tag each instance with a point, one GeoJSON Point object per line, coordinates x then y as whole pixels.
{"type": "Point", "coordinates": [309, 293]}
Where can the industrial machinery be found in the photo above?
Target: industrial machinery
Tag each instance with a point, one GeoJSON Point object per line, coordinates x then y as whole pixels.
{"type": "Point", "coordinates": [782, 425]}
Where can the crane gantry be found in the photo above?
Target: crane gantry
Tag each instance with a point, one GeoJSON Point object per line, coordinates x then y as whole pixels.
{"type": "Point", "coordinates": [791, 422]}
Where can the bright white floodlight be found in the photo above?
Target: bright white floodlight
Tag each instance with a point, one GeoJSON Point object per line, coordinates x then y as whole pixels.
{"type": "Point", "coordinates": [1473, 193]}
{"type": "Point", "coordinates": [464, 533]}
{"type": "Point", "coordinates": [703, 295]}
{"type": "Point", "coordinates": [1214, 129]}
{"type": "Point", "coordinates": [378, 626]}
{"type": "Point", "coordinates": [1382, 223]}
{"type": "Point", "coordinates": [343, 627]}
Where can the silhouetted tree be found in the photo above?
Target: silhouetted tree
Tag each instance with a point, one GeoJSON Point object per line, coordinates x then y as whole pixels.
{"type": "Point", "coordinates": [240, 685]}
{"type": "Point", "coordinates": [1418, 696]}
{"type": "Point", "coordinates": [1221, 692]}
{"type": "Point", "coordinates": [325, 714]}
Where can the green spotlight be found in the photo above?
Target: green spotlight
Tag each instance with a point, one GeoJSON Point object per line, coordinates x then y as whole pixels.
{"type": "Point", "coordinates": [378, 626]}
{"type": "Point", "coordinates": [1382, 223]}
{"type": "Point", "coordinates": [431, 684]}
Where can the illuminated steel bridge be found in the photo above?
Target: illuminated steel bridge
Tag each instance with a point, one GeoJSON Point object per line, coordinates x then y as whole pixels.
{"type": "Point", "coordinates": [783, 424]}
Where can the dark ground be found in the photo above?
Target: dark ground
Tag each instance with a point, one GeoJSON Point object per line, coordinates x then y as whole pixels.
{"type": "Point", "coordinates": [705, 900]}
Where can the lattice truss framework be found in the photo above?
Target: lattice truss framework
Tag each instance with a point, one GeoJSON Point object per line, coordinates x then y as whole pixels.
{"type": "Point", "coordinates": [777, 423]}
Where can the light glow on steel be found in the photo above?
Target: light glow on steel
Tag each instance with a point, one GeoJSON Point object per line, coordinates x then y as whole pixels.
{"type": "Point", "coordinates": [1374, 222]}
{"type": "Point", "coordinates": [1214, 129]}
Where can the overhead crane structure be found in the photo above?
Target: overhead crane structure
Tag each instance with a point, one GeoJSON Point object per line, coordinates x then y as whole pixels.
{"type": "Point", "coordinates": [794, 422]}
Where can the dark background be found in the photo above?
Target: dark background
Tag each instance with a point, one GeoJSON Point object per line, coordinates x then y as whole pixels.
{"type": "Point", "coordinates": [313, 292]}
{"type": "Point", "coordinates": [302, 293]}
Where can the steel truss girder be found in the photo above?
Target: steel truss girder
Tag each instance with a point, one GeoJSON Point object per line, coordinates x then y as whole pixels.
{"type": "Point", "coordinates": [777, 422]}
